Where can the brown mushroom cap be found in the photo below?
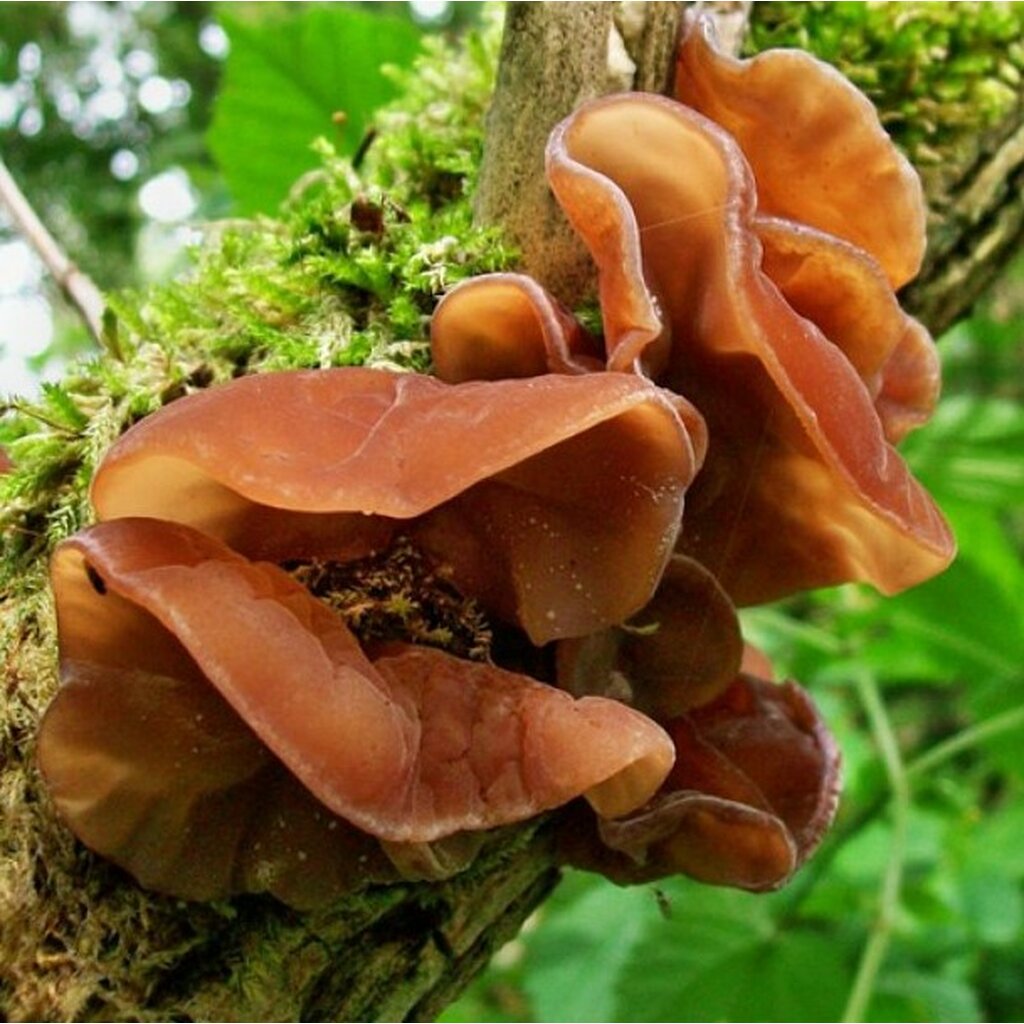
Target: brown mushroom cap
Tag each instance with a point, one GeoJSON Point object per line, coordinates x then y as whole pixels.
{"type": "Point", "coordinates": [818, 152]}
{"type": "Point", "coordinates": [500, 326]}
{"type": "Point", "coordinates": [844, 292]}
{"type": "Point", "coordinates": [556, 499]}
{"type": "Point", "coordinates": [800, 488]}
{"type": "Point", "coordinates": [754, 789]}
{"type": "Point", "coordinates": [177, 654]}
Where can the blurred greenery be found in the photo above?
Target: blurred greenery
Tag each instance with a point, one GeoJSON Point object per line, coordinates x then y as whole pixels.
{"type": "Point", "coordinates": [913, 910]}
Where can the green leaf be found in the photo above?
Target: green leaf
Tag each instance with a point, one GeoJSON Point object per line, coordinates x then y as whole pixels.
{"type": "Point", "coordinates": [916, 996]}
{"type": "Point", "coordinates": [285, 81]}
{"type": "Point", "coordinates": [968, 622]}
{"type": "Point", "coordinates": [722, 957]}
{"type": "Point", "coordinates": [971, 451]}
{"type": "Point", "coordinates": [577, 955]}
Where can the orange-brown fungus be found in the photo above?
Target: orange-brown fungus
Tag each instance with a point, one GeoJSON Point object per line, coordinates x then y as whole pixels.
{"type": "Point", "coordinates": [499, 326]}
{"type": "Point", "coordinates": [221, 729]}
{"type": "Point", "coordinates": [679, 652]}
{"type": "Point", "coordinates": [814, 143]}
{"type": "Point", "coordinates": [753, 790]}
{"type": "Point", "coordinates": [800, 488]}
{"type": "Point", "coordinates": [555, 500]}
{"type": "Point", "coordinates": [215, 718]}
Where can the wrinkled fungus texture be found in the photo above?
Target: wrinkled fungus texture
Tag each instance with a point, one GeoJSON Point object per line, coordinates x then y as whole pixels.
{"type": "Point", "coordinates": [219, 727]}
{"type": "Point", "coordinates": [607, 500]}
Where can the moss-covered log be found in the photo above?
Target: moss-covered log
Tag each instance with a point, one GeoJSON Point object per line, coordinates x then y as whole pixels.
{"type": "Point", "coordinates": [78, 940]}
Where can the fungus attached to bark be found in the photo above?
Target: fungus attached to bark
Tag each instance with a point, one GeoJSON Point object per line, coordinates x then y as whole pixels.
{"type": "Point", "coordinates": [500, 326]}
{"type": "Point", "coordinates": [753, 790]}
{"type": "Point", "coordinates": [219, 729]}
{"type": "Point", "coordinates": [814, 143]}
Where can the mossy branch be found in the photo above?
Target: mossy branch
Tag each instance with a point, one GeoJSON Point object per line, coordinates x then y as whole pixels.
{"type": "Point", "coordinates": [78, 940]}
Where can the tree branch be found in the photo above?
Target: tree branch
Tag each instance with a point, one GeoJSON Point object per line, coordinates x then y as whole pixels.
{"type": "Point", "coordinates": [554, 57]}
{"type": "Point", "coordinates": [76, 285]}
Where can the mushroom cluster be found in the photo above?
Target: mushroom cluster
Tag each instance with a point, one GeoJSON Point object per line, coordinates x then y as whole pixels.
{"type": "Point", "coordinates": [223, 728]}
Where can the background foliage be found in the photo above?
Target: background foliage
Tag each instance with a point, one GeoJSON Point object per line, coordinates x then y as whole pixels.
{"type": "Point", "coordinates": [914, 908]}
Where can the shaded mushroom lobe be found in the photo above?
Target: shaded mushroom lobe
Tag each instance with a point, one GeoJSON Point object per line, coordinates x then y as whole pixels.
{"type": "Point", "coordinates": [752, 793]}
{"type": "Point", "coordinates": [412, 745]}
{"type": "Point", "coordinates": [801, 487]}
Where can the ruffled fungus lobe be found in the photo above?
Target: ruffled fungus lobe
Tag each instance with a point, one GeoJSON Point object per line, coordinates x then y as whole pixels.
{"type": "Point", "coordinates": [801, 488]}
{"type": "Point", "coordinates": [219, 729]}
{"type": "Point", "coordinates": [500, 326]}
{"type": "Point", "coordinates": [752, 793]}
{"type": "Point", "coordinates": [555, 500]}
{"type": "Point", "coordinates": [678, 653]}
{"type": "Point", "coordinates": [814, 142]}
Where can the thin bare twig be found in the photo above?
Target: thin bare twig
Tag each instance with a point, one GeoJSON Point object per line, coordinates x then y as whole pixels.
{"type": "Point", "coordinates": [76, 285]}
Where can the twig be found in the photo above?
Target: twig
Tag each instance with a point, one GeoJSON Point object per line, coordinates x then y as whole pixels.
{"type": "Point", "coordinates": [76, 285]}
{"type": "Point", "coordinates": [964, 740]}
{"type": "Point", "coordinates": [877, 945]}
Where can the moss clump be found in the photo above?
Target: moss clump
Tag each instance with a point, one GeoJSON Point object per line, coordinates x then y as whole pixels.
{"type": "Point", "coordinates": [348, 275]}
{"type": "Point", "coordinates": [399, 594]}
{"type": "Point", "coordinates": [935, 71]}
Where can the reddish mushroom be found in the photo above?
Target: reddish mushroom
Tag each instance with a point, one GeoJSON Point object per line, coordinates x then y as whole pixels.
{"type": "Point", "coordinates": [815, 145]}
{"type": "Point", "coordinates": [555, 500]}
{"type": "Point", "coordinates": [800, 488]}
{"type": "Point", "coordinates": [753, 791]}
{"type": "Point", "coordinates": [202, 692]}
{"type": "Point", "coordinates": [218, 726]}
{"type": "Point", "coordinates": [756, 778]}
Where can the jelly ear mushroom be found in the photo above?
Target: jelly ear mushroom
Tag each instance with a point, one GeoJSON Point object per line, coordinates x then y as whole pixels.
{"type": "Point", "coordinates": [753, 791]}
{"type": "Point", "coordinates": [800, 488]}
{"type": "Point", "coordinates": [499, 326]}
{"type": "Point", "coordinates": [154, 770]}
{"type": "Point", "coordinates": [679, 652]}
{"type": "Point", "coordinates": [555, 500]}
{"type": "Point", "coordinates": [819, 154]}
{"type": "Point", "coordinates": [195, 680]}
{"type": "Point", "coordinates": [844, 293]}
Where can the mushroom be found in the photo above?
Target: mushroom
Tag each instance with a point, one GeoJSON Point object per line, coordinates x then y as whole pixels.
{"type": "Point", "coordinates": [753, 791]}
{"type": "Point", "coordinates": [680, 652]}
{"type": "Point", "coordinates": [498, 326]}
{"type": "Point", "coordinates": [815, 145]}
{"type": "Point", "coordinates": [800, 487]}
{"type": "Point", "coordinates": [219, 729]}
{"type": "Point", "coordinates": [555, 500]}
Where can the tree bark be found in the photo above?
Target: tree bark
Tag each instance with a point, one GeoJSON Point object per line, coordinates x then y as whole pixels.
{"type": "Point", "coordinates": [554, 57]}
{"type": "Point", "coordinates": [80, 941]}
{"type": "Point", "coordinates": [976, 204]}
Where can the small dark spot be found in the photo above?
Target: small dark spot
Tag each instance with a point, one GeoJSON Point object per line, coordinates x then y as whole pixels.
{"type": "Point", "coordinates": [200, 377]}
{"type": "Point", "coordinates": [363, 148]}
{"type": "Point", "coordinates": [367, 216]}
{"type": "Point", "coordinates": [96, 580]}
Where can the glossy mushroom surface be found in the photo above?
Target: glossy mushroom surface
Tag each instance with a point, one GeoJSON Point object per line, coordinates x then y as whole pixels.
{"type": "Point", "coordinates": [800, 487]}
{"type": "Point", "coordinates": [753, 791]}
{"type": "Point", "coordinates": [219, 729]}
{"type": "Point", "coordinates": [555, 500]}
{"type": "Point", "coordinates": [814, 142]}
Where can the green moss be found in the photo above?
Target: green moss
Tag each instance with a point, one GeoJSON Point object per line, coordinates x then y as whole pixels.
{"type": "Point", "coordinates": [934, 70]}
